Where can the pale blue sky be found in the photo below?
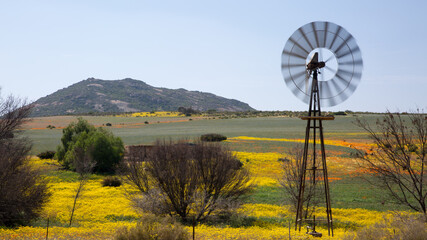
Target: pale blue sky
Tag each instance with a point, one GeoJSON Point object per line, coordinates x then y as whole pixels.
{"type": "Point", "coordinates": [229, 48]}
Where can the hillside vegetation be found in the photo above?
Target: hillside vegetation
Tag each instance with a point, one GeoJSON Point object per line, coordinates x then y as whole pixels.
{"type": "Point", "coordinates": [128, 95]}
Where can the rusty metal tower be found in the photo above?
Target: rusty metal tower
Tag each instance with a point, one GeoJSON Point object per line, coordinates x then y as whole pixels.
{"type": "Point", "coordinates": [302, 63]}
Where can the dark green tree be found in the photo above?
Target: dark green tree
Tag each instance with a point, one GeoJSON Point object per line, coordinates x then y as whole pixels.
{"type": "Point", "coordinates": [69, 135]}
{"type": "Point", "coordinates": [104, 148]}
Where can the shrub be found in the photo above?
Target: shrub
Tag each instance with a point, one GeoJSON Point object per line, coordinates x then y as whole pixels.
{"type": "Point", "coordinates": [111, 182]}
{"type": "Point", "coordinates": [188, 180]}
{"type": "Point", "coordinates": [23, 192]}
{"type": "Point", "coordinates": [153, 227]}
{"type": "Point", "coordinates": [187, 111]}
{"type": "Point", "coordinates": [396, 162]}
{"type": "Point", "coordinates": [103, 147]}
{"type": "Point", "coordinates": [397, 227]}
{"type": "Point", "coordinates": [50, 126]}
{"type": "Point", "coordinates": [213, 137]}
{"type": "Point", "coordinates": [46, 155]}
{"type": "Point", "coordinates": [68, 133]}
{"type": "Point", "coordinates": [340, 113]}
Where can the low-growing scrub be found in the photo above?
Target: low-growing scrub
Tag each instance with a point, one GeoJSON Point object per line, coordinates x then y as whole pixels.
{"type": "Point", "coordinates": [399, 226]}
{"type": "Point", "coordinates": [153, 227]}
{"type": "Point", "coordinates": [46, 155]}
{"type": "Point", "coordinates": [213, 137]}
{"type": "Point", "coordinates": [111, 182]}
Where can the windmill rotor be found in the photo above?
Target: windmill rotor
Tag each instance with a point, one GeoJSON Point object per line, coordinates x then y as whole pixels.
{"type": "Point", "coordinates": [337, 53]}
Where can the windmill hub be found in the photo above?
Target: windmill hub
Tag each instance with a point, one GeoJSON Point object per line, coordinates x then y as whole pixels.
{"type": "Point", "coordinates": [318, 42]}
{"type": "Point", "coordinates": [314, 64]}
{"type": "Point", "coordinates": [328, 71]}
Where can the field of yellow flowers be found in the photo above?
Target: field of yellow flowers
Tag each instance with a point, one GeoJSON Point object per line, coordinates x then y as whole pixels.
{"type": "Point", "coordinates": [101, 210]}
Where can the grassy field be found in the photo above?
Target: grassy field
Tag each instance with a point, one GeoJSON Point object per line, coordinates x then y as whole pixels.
{"type": "Point", "coordinates": [257, 142]}
{"type": "Point", "coordinates": [133, 130]}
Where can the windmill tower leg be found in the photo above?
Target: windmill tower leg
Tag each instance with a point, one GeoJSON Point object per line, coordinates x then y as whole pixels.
{"type": "Point", "coordinates": [314, 125]}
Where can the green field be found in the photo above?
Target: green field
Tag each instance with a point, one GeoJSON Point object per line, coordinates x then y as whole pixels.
{"type": "Point", "coordinates": [348, 192]}
{"type": "Point", "coordinates": [133, 131]}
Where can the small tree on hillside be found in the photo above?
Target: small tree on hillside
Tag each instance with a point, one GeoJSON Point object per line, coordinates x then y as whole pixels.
{"type": "Point", "coordinates": [399, 157]}
{"type": "Point", "coordinates": [192, 181]}
{"type": "Point", "coordinates": [23, 192]}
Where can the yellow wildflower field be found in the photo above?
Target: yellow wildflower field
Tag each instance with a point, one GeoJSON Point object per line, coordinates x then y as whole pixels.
{"type": "Point", "coordinates": [101, 210]}
{"type": "Point", "coordinates": [152, 114]}
{"type": "Point", "coordinates": [358, 145]}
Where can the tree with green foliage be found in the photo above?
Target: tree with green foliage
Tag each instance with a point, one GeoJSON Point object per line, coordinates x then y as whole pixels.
{"type": "Point", "coordinates": [105, 149]}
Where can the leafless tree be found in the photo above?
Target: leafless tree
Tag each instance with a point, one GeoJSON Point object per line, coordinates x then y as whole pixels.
{"type": "Point", "coordinates": [133, 169]}
{"type": "Point", "coordinates": [14, 112]}
{"type": "Point", "coordinates": [189, 180]}
{"type": "Point", "coordinates": [290, 180]}
{"type": "Point", "coordinates": [84, 165]}
{"type": "Point", "coordinates": [399, 158]}
{"type": "Point", "coordinates": [23, 191]}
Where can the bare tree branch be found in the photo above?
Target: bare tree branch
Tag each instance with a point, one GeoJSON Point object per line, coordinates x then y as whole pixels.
{"type": "Point", "coordinates": [23, 192]}
{"type": "Point", "coordinates": [398, 161]}
{"type": "Point", "coordinates": [188, 180]}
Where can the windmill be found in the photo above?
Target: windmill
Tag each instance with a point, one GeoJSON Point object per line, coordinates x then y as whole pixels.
{"type": "Point", "coordinates": [328, 50]}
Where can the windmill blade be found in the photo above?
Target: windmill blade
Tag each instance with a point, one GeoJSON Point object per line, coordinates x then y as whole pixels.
{"type": "Point", "coordinates": [289, 65]}
{"type": "Point", "coordinates": [322, 76]}
{"type": "Point", "coordinates": [352, 62]}
{"type": "Point", "coordinates": [313, 26]}
{"type": "Point", "coordinates": [320, 54]}
{"type": "Point", "coordinates": [305, 38]}
{"type": "Point", "coordinates": [299, 45]}
{"type": "Point", "coordinates": [325, 36]}
{"type": "Point", "coordinates": [329, 58]}
{"type": "Point", "coordinates": [352, 50]}
{"type": "Point", "coordinates": [294, 54]}
{"type": "Point", "coordinates": [343, 43]}
{"type": "Point", "coordinates": [336, 34]}
{"type": "Point", "coordinates": [329, 68]}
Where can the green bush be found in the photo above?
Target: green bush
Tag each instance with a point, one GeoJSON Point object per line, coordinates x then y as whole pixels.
{"type": "Point", "coordinates": [46, 155]}
{"type": "Point", "coordinates": [213, 137]}
{"type": "Point", "coordinates": [153, 227]}
{"type": "Point", "coordinates": [340, 113]}
{"type": "Point", "coordinates": [111, 182]}
{"type": "Point", "coordinates": [104, 148]}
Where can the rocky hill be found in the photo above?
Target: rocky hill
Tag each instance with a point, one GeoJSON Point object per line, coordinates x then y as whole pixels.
{"type": "Point", "coordinates": [128, 95]}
